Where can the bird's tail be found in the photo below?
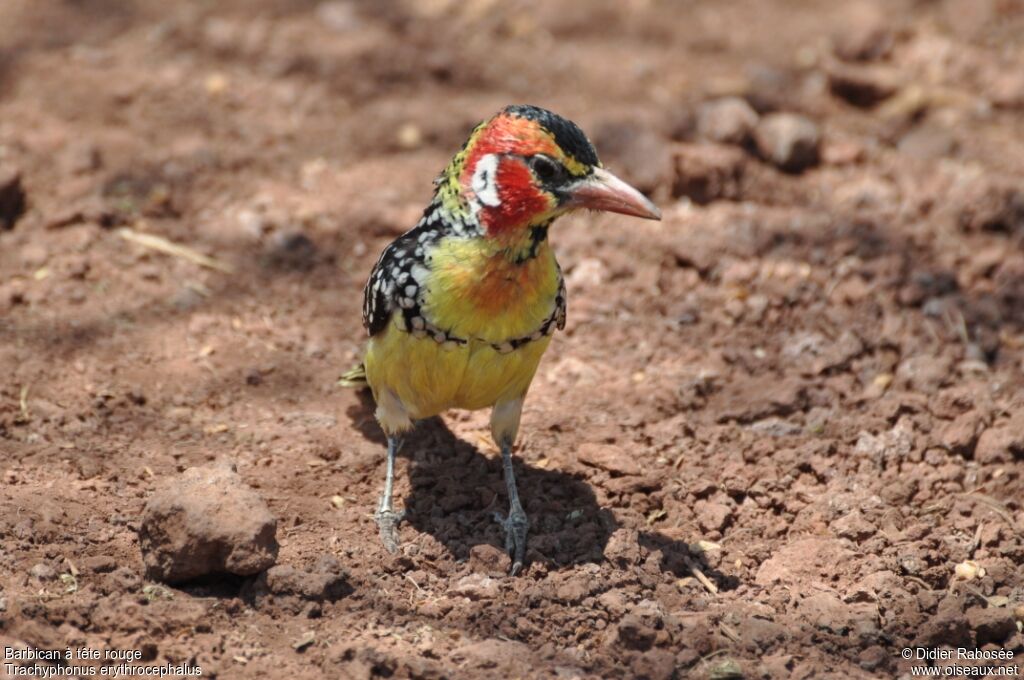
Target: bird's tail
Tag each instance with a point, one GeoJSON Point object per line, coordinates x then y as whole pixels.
{"type": "Point", "coordinates": [354, 377]}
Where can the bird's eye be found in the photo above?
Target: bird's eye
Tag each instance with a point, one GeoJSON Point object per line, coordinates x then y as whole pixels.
{"type": "Point", "coordinates": [545, 168]}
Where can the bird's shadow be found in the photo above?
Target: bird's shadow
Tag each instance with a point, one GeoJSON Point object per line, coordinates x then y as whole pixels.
{"type": "Point", "coordinates": [455, 491]}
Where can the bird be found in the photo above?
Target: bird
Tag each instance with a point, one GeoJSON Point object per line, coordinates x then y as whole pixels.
{"type": "Point", "coordinates": [460, 309]}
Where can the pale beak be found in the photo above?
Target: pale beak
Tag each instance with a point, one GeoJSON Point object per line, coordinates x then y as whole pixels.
{"type": "Point", "coordinates": [604, 191]}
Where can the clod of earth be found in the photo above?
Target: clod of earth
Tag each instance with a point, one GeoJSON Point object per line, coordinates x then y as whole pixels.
{"type": "Point", "coordinates": [729, 120]}
{"type": "Point", "coordinates": [788, 141]}
{"type": "Point", "coordinates": [296, 589]}
{"type": "Point", "coordinates": [207, 521]}
{"type": "Point", "coordinates": [705, 173]}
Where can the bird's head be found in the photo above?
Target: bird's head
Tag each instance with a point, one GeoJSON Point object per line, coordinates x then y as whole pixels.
{"type": "Point", "coordinates": [526, 166]}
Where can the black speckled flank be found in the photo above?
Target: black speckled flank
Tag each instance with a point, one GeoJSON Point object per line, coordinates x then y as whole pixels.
{"type": "Point", "coordinates": [397, 285]}
{"type": "Point", "coordinates": [567, 134]}
{"type": "Point", "coordinates": [392, 281]}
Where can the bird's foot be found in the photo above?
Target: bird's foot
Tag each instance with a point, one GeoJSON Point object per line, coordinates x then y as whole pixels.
{"type": "Point", "coordinates": [515, 525]}
{"type": "Point", "coordinates": [388, 521]}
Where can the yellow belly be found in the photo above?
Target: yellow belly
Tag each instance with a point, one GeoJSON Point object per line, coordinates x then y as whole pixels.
{"type": "Point", "coordinates": [429, 378]}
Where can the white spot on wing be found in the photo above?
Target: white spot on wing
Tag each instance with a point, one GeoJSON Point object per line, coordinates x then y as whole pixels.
{"type": "Point", "coordinates": [420, 274]}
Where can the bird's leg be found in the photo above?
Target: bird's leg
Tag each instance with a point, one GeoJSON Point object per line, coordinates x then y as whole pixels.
{"type": "Point", "coordinates": [504, 427]}
{"type": "Point", "coordinates": [387, 518]}
{"type": "Point", "coordinates": [516, 524]}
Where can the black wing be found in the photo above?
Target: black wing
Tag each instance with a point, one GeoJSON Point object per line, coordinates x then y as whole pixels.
{"type": "Point", "coordinates": [379, 293]}
{"type": "Point", "coordinates": [392, 284]}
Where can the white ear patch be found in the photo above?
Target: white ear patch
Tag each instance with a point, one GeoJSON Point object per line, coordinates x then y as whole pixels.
{"type": "Point", "coordinates": [485, 181]}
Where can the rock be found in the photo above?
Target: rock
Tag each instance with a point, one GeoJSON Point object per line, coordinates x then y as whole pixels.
{"type": "Point", "coordinates": [776, 427]}
{"type": "Point", "coordinates": [682, 124]}
{"type": "Point", "coordinates": [924, 373]}
{"type": "Point", "coordinates": [291, 251]}
{"type": "Point", "coordinates": [42, 572]}
{"type": "Point", "coordinates": [633, 484]}
{"type": "Point", "coordinates": [772, 88]}
{"type": "Point", "coordinates": [873, 657]}
{"type": "Point", "coordinates": [87, 209]}
{"type": "Point", "coordinates": [12, 198]}
{"type": "Point", "coordinates": [488, 558]}
{"type": "Point", "coordinates": [573, 590]}
{"type": "Point", "coordinates": [1002, 443]}
{"type": "Point", "coordinates": [924, 285]}
{"type": "Point", "coordinates": [826, 611]}
{"type": "Point", "coordinates": [805, 559]}
{"type": "Point", "coordinates": [991, 624]}
{"type": "Point", "coordinates": [853, 526]}
{"type": "Point", "coordinates": [983, 263]}
{"type": "Point", "coordinates": [753, 399]}
{"type": "Point", "coordinates": [990, 205]}
{"type": "Point", "coordinates": [634, 633]}
{"type": "Point", "coordinates": [788, 141]}
{"type": "Point", "coordinates": [339, 16]}
{"type": "Point", "coordinates": [613, 602]}
{"type": "Point", "coordinates": [609, 458]}
{"type": "Point", "coordinates": [82, 158]}
{"type": "Point", "coordinates": [816, 354]}
{"type": "Point", "coordinates": [655, 664]}
{"type": "Point", "coordinates": [708, 172]}
{"type": "Point", "coordinates": [729, 120]}
{"type": "Point", "coordinates": [948, 627]}
{"type": "Point", "coordinates": [762, 632]}
{"type": "Point", "coordinates": [638, 153]}
{"type": "Point", "coordinates": [843, 152]}
{"type": "Point", "coordinates": [476, 587]}
{"type": "Point", "coordinates": [98, 564]}
{"type": "Point", "coordinates": [589, 272]}
{"type": "Point", "coordinates": [623, 548]}
{"type": "Point", "coordinates": [1007, 90]}
{"type": "Point", "coordinates": [298, 590]}
{"type": "Point", "coordinates": [866, 41]}
{"type": "Point", "coordinates": [928, 143]}
{"type": "Point", "coordinates": [712, 516]}
{"type": "Point", "coordinates": [207, 521]}
{"type": "Point", "coordinates": [863, 86]}
{"type": "Point", "coordinates": [876, 585]}
{"type": "Point", "coordinates": [222, 35]}
{"type": "Point", "coordinates": [501, 654]}
{"type": "Point", "coordinates": [961, 435]}
{"type": "Point", "coordinates": [892, 445]}
{"type": "Point", "coordinates": [326, 581]}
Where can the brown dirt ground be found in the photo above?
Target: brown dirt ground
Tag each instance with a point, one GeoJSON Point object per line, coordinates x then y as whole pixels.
{"type": "Point", "coordinates": [818, 376]}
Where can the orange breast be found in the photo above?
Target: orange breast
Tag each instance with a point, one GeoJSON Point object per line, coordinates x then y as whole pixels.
{"type": "Point", "coordinates": [478, 292]}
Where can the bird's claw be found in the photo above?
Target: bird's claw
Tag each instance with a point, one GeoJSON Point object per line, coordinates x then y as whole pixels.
{"type": "Point", "coordinates": [388, 521]}
{"type": "Point", "coordinates": [515, 525]}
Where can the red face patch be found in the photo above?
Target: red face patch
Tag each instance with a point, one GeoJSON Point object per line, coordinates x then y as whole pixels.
{"type": "Point", "coordinates": [511, 198]}
{"type": "Point", "coordinates": [520, 198]}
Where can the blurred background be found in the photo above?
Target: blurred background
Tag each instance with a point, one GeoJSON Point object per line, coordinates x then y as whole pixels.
{"type": "Point", "coordinates": [814, 366]}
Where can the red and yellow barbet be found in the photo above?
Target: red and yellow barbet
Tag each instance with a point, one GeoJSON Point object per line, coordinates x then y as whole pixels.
{"type": "Point", "coordinates": [461, 308]}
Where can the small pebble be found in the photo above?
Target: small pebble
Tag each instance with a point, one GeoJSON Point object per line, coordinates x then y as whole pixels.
{"type": "Point", "coordinates": [42, 572]}
{"type": "Point", "coordinates": [788, 141]}
{"type": "Point", "coordinates": [729, 120]}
